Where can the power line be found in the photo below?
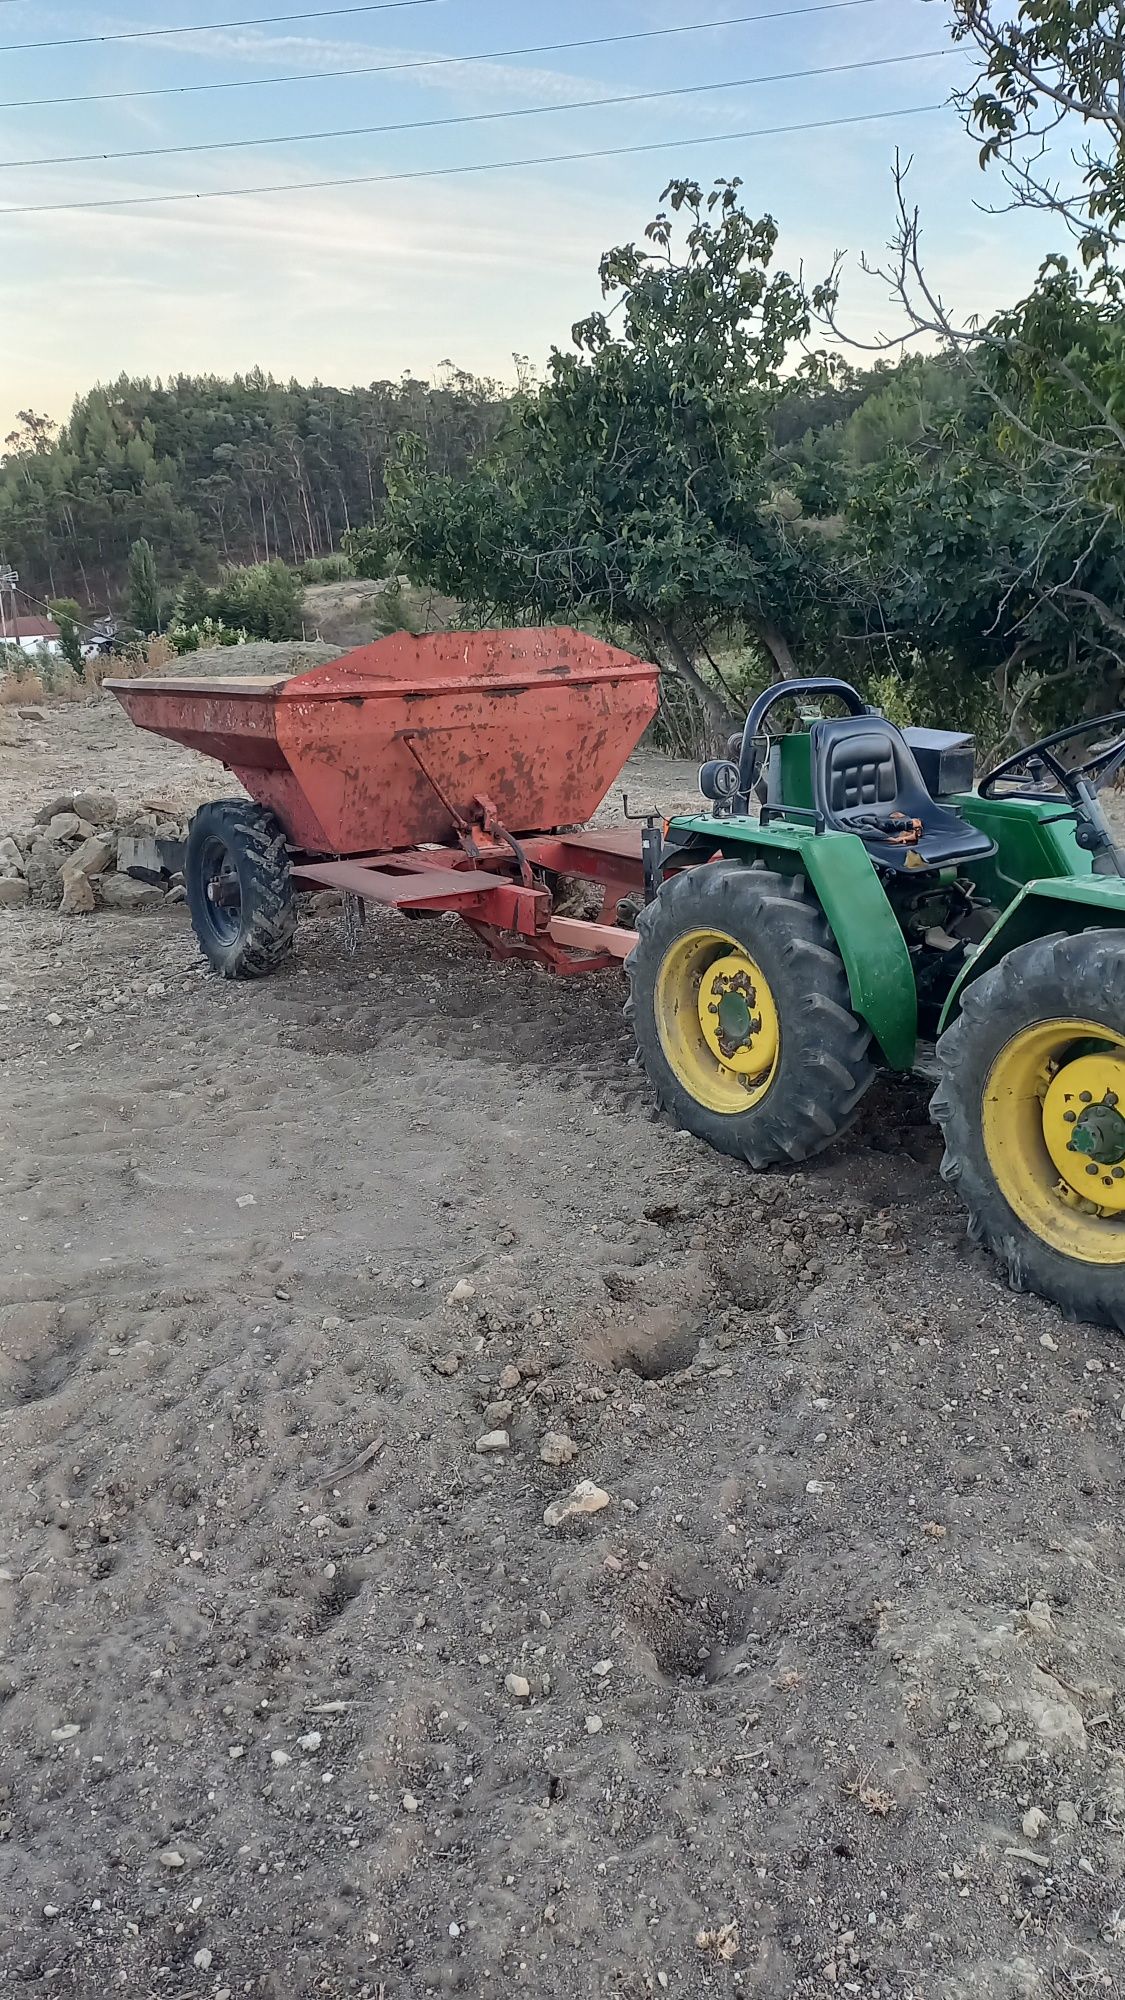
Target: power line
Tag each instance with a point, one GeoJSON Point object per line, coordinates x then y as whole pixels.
{"type": "Point", "coordinates": [426, 62]}
{"type": "Point", "coordinates": [479, 167]}
{"type": "Point", "coordinates": [41, 603]}
{"type": "Point", "coordinates": [210, 27]}
{"type": "Point", "coordinates": [475, 117]}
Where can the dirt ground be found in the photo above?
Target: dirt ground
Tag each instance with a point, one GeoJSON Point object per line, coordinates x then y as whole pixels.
{"type": "Point", "coordinates": [299, 1692]}
{"type": "Point", "coordinates": [355, 611]}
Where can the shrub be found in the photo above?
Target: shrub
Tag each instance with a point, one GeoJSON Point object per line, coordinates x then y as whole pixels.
{"type": "Point", "coordinates": [327, 569]}
{"type": "Point", "coordinates": [206, 633]}
{"type": "Point", "coordinates": [263, 600]}
{"type": "Point", "coordinates": [193, 601]}
{"type": "Point", "coordinates": [936, 696]}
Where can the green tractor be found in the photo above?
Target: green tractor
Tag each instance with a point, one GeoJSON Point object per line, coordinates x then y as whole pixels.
{"type": "Point", "coordinates": [882, 913]}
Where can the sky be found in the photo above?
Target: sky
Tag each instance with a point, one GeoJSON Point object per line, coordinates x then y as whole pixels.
{"type": "Point", "coordinates": [415, 267]}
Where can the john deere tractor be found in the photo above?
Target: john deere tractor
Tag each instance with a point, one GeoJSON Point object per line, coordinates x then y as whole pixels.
{"type": "Point", "coordinates": [879, 904]}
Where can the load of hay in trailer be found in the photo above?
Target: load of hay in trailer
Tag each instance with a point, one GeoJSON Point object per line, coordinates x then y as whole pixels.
{"type": "Point", "coordinates": [847, 900]}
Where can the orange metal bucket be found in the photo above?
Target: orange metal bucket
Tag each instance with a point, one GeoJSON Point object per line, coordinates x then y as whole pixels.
{"type": "Point", "coordinates": [387, 747]}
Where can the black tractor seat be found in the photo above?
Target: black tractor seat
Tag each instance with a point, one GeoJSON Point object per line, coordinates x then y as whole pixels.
{"type": "Point", "coordinates": [866, 781]}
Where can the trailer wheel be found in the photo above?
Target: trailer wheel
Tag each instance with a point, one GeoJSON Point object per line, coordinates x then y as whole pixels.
{"type": "Point", "coordinates": [239, 892]}
{"type": "Point", "coordinates": [739, 1002]}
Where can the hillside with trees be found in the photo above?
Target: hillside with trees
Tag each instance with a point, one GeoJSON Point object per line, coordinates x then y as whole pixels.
{"type": "Point", "coordinates": [213, 473]}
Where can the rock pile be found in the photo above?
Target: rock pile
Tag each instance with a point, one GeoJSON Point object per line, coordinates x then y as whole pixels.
{"type": "Point", "coordinates": [87, 850]}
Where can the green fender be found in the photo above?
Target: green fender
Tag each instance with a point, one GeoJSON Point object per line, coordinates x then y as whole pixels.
{"type": "Point", "coordinates": [1041, 909]}
{"type": "Point", "coordinates": [844, 881]}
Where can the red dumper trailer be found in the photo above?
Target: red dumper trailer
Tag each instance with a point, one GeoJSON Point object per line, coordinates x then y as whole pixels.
{"type": "Point", "coordinates": [431, 774]}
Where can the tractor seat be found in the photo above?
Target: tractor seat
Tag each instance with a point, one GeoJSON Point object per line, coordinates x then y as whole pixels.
{"type": "Point", "coordinates": [866, 781]}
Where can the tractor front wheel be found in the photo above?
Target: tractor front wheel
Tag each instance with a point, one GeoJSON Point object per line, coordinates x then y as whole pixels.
{"type": "Point", "coordinates": [236, 874]}
{"type": "Point", "coordinates": [1031, 1104]}
{"type": "Point", "coordinates": [740, 1005]}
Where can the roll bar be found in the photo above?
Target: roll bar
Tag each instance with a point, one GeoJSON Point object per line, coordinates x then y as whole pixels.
{"type": "Point", "coordinates": [784, 691]}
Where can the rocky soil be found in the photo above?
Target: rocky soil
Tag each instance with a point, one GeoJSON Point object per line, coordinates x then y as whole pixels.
{"type": "Point", "coordinates": [458, 1536]}
{"type": "Point", "coordinates": [85, 851]}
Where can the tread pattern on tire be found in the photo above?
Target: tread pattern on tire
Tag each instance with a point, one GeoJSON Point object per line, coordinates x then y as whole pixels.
{"type": "Point", "coordinates": [257, 841]}
{"type": "Point", "coordinates": [826, 1064]}
{"type": "Point", "coordinates": [1068, 977]}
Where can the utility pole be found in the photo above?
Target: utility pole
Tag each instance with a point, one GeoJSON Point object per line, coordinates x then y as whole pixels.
{"type": "Point", "coordinates": [8, 580]}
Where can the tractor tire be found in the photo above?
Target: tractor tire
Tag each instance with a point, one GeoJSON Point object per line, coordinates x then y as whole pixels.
{"type": "Point", "coordinates": [714, 934]}
{"type": "Point", "coordinates": [239, 893]}
{"type": "Point", "coordinates": [1049, 1004]}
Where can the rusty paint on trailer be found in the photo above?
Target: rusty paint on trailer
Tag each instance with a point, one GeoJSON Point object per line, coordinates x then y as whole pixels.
{"type": "Point", "coordinates": [542, 950]}
{"type": "Point", "coordinates": [538, 721]}
{"type": "Point", "coordinates": [511, 918]}
{"type": "Point", "coordinates": [609, 856]}
{"type": "Point", "coordinates": [400, 888]}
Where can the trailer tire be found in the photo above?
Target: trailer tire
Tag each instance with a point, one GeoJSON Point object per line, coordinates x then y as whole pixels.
{"type": "Point", "coordinates": [239, 889]}
{"type": "Point", "coordinates": [820, 1063]}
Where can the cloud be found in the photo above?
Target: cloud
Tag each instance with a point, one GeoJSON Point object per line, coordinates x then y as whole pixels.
{"type": "Point", "coordinates": [451, 219]}
{"type": "Point", "coordinates": [487, 79]}
{"type": "Point", "coordinates": [347, 285]}
{"type": "Point", "coordinates": [354, 283]}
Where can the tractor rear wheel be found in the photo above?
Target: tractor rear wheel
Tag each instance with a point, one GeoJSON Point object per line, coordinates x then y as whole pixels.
{"type": "Point", "coordinates": [1031, 1104]}
{"type": "Point", "coordinates": [236, 874]}
{"type": "Point", "coordinates": [740, 1005]}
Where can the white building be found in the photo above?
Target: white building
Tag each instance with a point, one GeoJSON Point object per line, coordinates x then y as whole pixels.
{"type": "Point", "coordinates": [32, 634]}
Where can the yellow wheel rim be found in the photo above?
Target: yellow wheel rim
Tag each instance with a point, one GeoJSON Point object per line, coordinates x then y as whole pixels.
{"type": "Point", "coordinates": [1053, 1121]}
{"type": "Point", "coordinates": [717, 1022]}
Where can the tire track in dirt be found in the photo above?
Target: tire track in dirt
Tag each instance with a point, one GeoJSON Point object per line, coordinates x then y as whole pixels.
{"type": "Point", "coordinates": [851, 1618]}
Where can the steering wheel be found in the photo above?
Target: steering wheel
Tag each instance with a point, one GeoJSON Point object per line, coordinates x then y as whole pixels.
{"type": "Point", "coordinates": [1097, 770]}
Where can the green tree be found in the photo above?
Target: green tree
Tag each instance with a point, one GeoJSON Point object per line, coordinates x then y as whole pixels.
{"type": "Point", "coordinates": [1054, 366]}
{"type": "Point", "coordinates": [33, 433]}
{"type": "Point", "coordinates": [263, 600]}
{"type": "Point", "coordinates": [1034, 602]}
{"type": "Point", "coordinates": [144, 587]}
{"type": "Point", "coordinates": [996, 587]}
{"type": "Point", "coordinates": [633, 487]}
{"type": "Point", "coordinates": [1046, 65]}
{"type": "Point", "coordinates": [193, 600]}
{"type": "Point", "coordinates": [67, 615]}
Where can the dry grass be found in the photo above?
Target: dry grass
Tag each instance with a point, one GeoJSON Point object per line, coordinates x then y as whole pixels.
{"type": "Point", "coordinates": [52, 681]}
{"type": "Point", "coordinates": [874, 1798]}
{"type": "Point", "coordinates": [154, 656]}
{"type": "Point", "coordinates": [34, 681]}
{"type": "Point", "coordinates": [20, 687]}
{"type": "Point", "coordinates": [724, 1942]}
